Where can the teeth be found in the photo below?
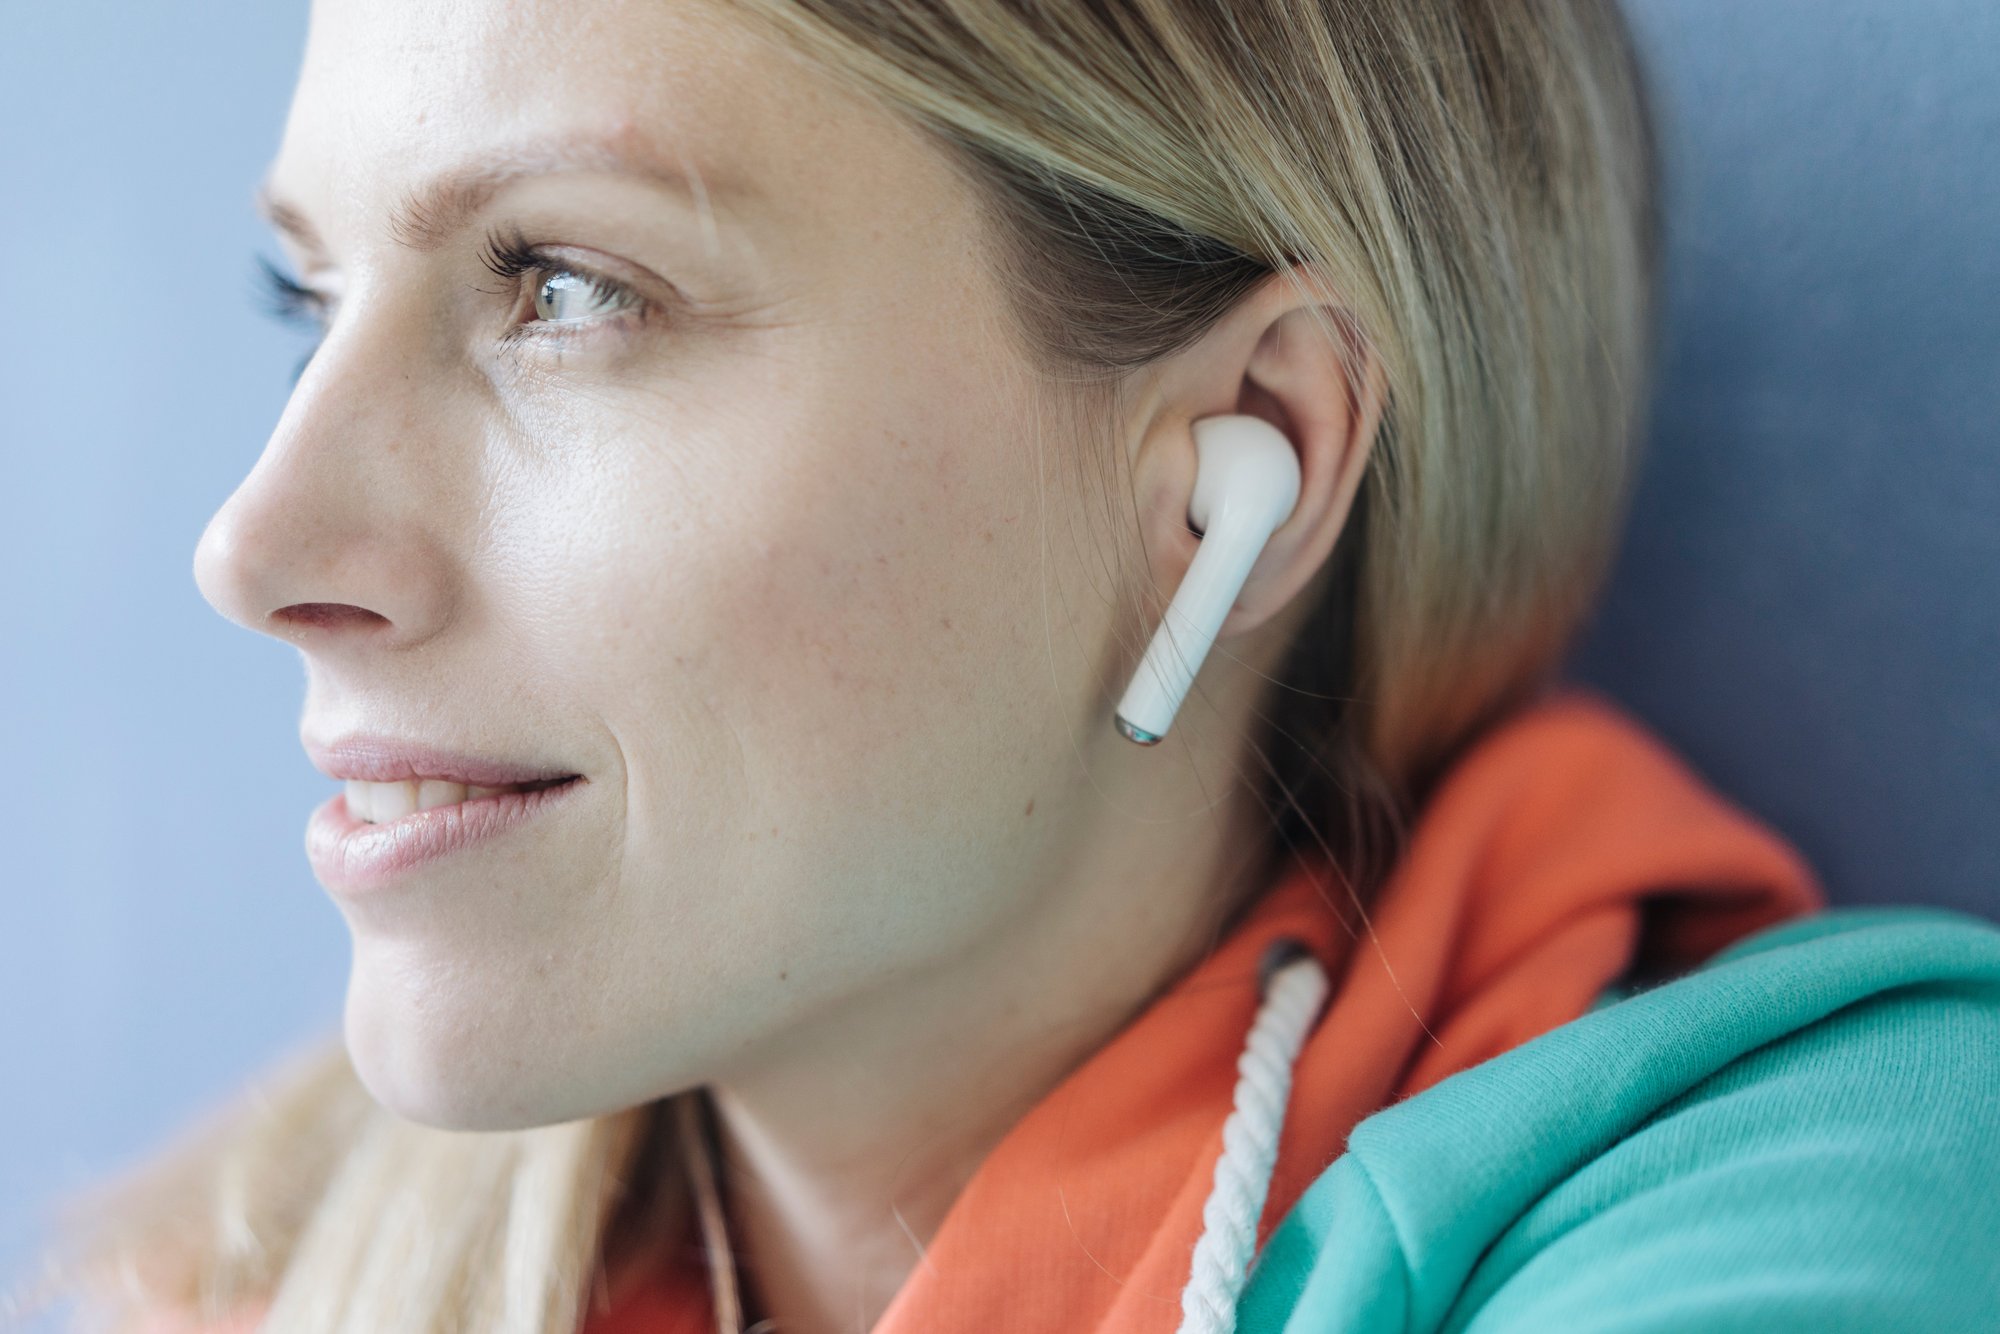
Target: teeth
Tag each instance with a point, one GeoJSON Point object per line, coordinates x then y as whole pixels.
{"type": "Point", "coordinates": [435, 792]}
{"type": "Point", "coordinates": [379, 803]}
{"type": "Point", "coordinates": [393, 801]}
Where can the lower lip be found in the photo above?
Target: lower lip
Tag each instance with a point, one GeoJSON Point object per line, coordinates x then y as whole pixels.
{"type": "Point", "coordinates": [351, 856]}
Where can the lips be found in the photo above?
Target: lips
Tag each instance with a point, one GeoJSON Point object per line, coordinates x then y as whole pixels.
{"type": "Point", "coordinates": [375, 759]}
{"type": "Point", "coordinates": [378, 803]}
{"type": "Point", "coordinates": [406, 805]}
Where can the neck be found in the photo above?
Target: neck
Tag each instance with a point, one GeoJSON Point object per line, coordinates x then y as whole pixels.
{"type": "Point", "coordinates": [843, 1152]}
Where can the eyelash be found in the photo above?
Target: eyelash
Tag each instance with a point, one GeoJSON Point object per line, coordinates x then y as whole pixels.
{"type": "Point", "coordinates": [291, 303]}
{"type": "Point", "coordinates": [508, 256]}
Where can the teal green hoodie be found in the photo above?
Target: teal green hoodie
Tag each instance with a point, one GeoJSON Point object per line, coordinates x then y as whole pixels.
{"type": "Point", "coordinates": [1802, 1134]}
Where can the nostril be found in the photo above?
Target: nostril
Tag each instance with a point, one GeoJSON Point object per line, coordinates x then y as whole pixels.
{"type": "Point", "coordinates": [320, 615]}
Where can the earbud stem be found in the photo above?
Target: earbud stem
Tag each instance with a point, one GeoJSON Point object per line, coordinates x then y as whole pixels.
{"type": "Point", "coordinates": [1186, 633]}
{"type": "Point", "coordinates": [1247, 483]}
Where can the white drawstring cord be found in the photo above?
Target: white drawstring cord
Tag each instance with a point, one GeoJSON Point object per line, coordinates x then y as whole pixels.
{"type": "Point", "coordinates": [1294, 986]}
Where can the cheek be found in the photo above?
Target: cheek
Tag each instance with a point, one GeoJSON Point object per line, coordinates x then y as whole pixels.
{"type": "Point", "coordinates": [838, 588]}
{"type": "Point", "coordinates": [874, 630]}
{"type": "Point", "coordinates": [817, 624]}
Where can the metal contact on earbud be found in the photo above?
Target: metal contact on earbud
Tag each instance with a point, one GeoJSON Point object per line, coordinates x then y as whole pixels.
{"type": "Point", "coordinates": [1138, 734]}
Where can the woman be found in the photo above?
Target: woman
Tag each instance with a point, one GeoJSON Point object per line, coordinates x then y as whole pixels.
{"type": "Point", "coordinates": [749, 448]}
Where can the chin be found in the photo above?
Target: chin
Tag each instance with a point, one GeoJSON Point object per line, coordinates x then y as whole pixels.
{"type": "Point", "coordinates": [421, 1064]}
{"type": "Point", "coordinates": [469, 1062]}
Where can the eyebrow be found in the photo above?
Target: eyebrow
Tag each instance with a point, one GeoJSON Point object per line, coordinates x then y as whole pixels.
{"type": "Point", "coordinates": [431, 212]}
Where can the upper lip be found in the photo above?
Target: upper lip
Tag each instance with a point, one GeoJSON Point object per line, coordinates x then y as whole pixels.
{"type": "Point", "coordinates": [383, 759]}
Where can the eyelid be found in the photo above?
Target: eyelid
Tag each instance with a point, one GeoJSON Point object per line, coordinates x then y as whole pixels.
{"type": "Point", "coordinates": [512, 257]}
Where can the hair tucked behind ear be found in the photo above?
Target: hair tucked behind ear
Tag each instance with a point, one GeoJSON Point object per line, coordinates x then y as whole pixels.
{"type": "Point", "coordinates": [1474, 177]}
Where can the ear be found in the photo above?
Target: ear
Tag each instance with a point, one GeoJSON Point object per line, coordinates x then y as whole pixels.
{"type": "Point", "coordinates": [1267, 357]}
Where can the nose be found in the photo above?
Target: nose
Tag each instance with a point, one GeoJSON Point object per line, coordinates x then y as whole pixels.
{"type": "Point", "coordinates": [335, 539]}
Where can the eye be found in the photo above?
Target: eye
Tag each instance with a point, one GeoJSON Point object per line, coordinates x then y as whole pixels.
{"type": "Point", "coordinates": [566, 296]}
{"type": "Point", "coordinates": [292, 303]}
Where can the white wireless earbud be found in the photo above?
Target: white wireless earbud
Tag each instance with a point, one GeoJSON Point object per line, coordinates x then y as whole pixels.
{"type": "Point", "coordinates": [1246, 484]}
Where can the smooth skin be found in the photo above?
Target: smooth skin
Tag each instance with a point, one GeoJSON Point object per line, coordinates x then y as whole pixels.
{"type": "Point", "coordinates": [773, 538]}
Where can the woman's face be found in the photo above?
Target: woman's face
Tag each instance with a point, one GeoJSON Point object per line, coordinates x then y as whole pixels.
{"type": "Point", "coordinates": [735, 502]}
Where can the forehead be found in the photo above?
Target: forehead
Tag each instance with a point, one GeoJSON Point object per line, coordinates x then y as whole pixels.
{"type": "Point", "coordinates": [395, 95]}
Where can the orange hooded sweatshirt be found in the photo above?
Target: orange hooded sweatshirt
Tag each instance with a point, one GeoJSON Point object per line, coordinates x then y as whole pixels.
{"type": "Point", "coordinates": [1564, 848]}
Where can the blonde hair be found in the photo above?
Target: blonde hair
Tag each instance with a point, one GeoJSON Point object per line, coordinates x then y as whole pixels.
{"type": "Point", "coordinates": [1474, 178]}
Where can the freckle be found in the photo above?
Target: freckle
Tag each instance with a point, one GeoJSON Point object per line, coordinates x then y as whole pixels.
{"type": "Point", "coordinates": [783, 974]}
{"type": "Point", "coordinates": [1031, 807]}
{"type": "Point", "coordinates": [774, 831]}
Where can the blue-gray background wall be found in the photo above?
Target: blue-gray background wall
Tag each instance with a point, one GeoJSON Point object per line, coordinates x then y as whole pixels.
{"type": "Point", "coordinates": [1808, 608]}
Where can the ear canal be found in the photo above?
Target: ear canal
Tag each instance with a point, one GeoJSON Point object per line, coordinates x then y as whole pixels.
{"type": "Point", "coordinates": [1246, 485]}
